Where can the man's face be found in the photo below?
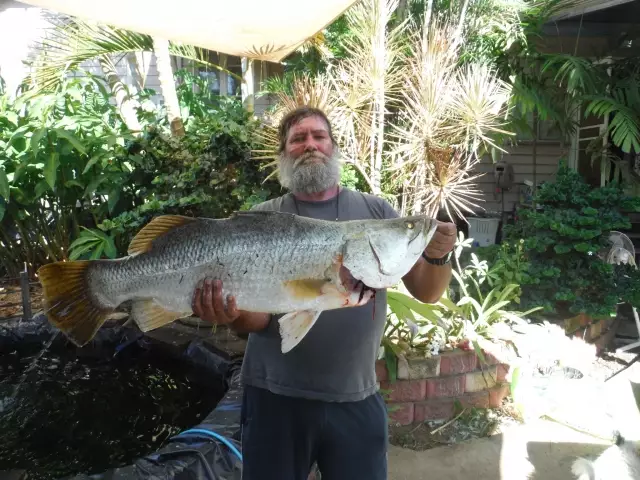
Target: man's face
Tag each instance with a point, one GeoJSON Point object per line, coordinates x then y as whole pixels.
{"type": "Point", "coordinates": [309, 162]}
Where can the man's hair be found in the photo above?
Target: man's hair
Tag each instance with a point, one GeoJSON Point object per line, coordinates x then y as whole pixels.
{"type": "Point", "coordinates": [294, 116]}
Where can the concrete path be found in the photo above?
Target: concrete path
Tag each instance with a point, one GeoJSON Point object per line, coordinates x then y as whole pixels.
{"type": "Point", "coordinates": [538, 451]}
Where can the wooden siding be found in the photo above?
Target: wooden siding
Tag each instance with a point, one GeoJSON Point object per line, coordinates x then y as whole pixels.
{"type": "Point", "coordinates": [521, 158]}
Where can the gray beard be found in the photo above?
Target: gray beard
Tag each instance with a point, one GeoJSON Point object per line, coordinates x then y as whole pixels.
{"type": "Point", "coordinates": [300, 176]}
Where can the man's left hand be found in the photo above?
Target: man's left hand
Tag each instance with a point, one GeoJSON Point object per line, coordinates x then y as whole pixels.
{"type": "Point", "coordinates": [443, 240]}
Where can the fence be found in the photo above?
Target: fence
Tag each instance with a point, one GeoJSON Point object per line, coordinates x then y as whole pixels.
{"type": "Point", "coordinates": [8, 286]}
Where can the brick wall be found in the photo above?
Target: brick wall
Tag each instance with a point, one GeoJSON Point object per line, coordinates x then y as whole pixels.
{"type": "Point", "coordinates": [427, 388]}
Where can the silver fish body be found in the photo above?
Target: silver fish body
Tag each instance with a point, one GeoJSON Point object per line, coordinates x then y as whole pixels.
{"type": "Point", "coordinates": [270, 262]}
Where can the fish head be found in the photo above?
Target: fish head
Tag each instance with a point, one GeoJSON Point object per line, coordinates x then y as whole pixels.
{"type": "Point", "coordinates": [380, 252]}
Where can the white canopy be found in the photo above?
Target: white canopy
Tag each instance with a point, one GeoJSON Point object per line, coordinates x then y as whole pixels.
{"type": "Point", "coordinates": [259, 29]}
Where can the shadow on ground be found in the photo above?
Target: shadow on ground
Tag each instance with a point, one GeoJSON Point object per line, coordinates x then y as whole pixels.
{"type": "Point", "coordinates": [536, 451]}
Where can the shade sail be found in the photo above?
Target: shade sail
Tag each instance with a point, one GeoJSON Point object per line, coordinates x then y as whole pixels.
{"type": "Point", "coordinates": [259, 29]}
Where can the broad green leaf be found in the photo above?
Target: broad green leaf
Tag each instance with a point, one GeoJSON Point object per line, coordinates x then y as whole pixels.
{"type": "Point", "coordinates": [423, 309]}
{"type": "Point", "coordinates": [78, 252]}
{"type": "Point", "coordinates": [97, 253]}
{"type": "Point", "coordinates": [51, 169]}
{"type": "Point", "coordinates": [72, 139]}
{"type": "Point", "coordinates": [110, 248]}
{"type": "Point", "coordinates": [41, 187]}
{"type": "Point", "coordinates": [114, 196]}
{"type": "Point", "coordinates": [562, 249]}
{"type": "Point", "coordinates": [35, 140]}
{"type": "Point", "coordinates": [4, 185]}
{"type": "Point", "coordinates": [3, 209]}
{"type": "Point", "coordinates": [92, 161]}
{"type": "Point", "coordinates": [81, 241]}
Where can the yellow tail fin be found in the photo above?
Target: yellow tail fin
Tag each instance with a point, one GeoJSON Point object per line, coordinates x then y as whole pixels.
{"type": "Point", "coordinates": [68, 303]}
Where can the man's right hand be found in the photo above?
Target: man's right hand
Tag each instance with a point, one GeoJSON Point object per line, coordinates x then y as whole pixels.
{"type": "Point", "coordinates": [208, 305]}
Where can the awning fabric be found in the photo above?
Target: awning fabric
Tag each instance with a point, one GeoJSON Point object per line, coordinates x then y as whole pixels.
{"type": "Point", "coordinates": [258, 29]}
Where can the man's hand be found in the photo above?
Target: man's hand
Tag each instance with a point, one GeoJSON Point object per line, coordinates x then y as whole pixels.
{"type": "Point", "coordinates": [207, 303]}
{"type": "Point", "coordinates": [443, 240]}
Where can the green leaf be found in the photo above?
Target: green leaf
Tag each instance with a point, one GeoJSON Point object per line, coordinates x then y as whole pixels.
{"type": "Point", "coordinates": [110, 248]}
{"type": "Point", "coordinates": [51, 169]}
{"type": "Point", "coordinates": [91, 162]}
{"type": "Point", "coordinates": [41, 187]}
{"type": "Point", "coordinates": [4, 185]}
{"type": "Point", "coordinates": [72, 139]}
{"type": "Point", "coordinates": [35, 140]}
{"type": "Point", "coordinates": [3, 208]}
{"type": "Point", "coordinates": [479, 352]}
{"type": "Point", "coordinates": [560, 249]}
{"type": "Point", "coordinates": [78, 252]}
{"type": "Point", "coordinates": [81, 241]}
{"type": "Point", "coordinates": [97, 253]}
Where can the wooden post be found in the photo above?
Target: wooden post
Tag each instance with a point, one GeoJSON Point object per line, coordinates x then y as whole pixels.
{"type": "Point", "coordinates": [26, 297]}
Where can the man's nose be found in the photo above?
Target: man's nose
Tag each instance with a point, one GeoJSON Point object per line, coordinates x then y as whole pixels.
{"type": "Point", "coordinates": [310, 145]}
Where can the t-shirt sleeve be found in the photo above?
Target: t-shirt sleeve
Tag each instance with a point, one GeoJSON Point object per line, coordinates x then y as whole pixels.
{"type": "Point", "coordinates": [387, 210]}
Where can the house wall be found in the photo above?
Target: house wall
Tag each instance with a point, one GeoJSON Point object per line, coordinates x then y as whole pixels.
{"type": "Point", "coordinates": [521, 158]}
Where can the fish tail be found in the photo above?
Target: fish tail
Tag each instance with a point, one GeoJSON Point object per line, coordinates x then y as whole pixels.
{"type": "Point", "coordinates": [68, 303]}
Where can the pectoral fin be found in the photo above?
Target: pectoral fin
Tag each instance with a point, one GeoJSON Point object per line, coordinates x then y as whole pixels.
{"type": "Point", "coordinates": [294, 326]}
{"type": "Point", "coordinates": [148, 315]}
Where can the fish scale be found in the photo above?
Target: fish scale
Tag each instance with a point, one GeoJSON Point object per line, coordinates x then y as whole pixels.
{"type": "Point", "coordinates": [270, 262]}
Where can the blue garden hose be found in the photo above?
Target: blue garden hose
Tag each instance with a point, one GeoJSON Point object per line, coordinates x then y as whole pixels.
{"type": "Point", "coordinates": [211, 434]}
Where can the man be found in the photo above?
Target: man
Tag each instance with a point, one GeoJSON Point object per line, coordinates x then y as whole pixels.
{"type": "Point", "coordinates": [319, 402]}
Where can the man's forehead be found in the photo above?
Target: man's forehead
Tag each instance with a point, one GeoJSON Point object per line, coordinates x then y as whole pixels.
{"type": "Point", "coordinates": [313, 124]}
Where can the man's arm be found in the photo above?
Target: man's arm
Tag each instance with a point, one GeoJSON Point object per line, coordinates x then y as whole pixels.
{"type": "Point", "coordinates": [427, 282]}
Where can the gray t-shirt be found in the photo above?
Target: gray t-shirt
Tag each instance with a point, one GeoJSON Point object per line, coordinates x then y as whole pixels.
{"type": "Point", "coordinates": [335, 361]}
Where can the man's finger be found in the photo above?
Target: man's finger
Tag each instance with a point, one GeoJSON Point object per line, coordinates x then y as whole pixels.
{"type": "Point", "coordinates": [232, 308]}
{"type": "Point", "coordinates": [218, 304]}
{"type": "Point", "coordinates": [447, 229]}
{"type": "Point", "coordinates": [197, 300]}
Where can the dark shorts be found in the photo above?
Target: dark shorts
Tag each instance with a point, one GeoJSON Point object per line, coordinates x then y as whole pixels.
{"type": "Point", "coordinates": [282, 437]}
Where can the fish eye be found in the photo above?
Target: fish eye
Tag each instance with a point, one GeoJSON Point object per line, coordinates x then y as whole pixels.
{"type": "Point", "coordinates": [410, 225]}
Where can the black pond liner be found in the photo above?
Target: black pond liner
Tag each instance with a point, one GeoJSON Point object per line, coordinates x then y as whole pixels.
{"type": "Point", "coordinates": [210, 450]}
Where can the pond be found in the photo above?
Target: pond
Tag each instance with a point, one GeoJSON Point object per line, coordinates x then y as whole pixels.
{"type": "Point", "coordinates": [63, 414]}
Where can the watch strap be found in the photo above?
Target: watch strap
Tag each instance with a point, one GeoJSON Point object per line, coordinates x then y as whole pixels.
{"type": "Point", "coordinates": [437, 261]}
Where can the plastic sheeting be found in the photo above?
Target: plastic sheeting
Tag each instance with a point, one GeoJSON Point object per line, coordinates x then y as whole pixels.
{"type": "Point", "coordinates": [260, 29]}
{"type": "Point", "coordinates": [210, 450]}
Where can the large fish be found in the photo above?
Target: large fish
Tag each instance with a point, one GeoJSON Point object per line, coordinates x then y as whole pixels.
{"type": "Point", "coordinates": [271, 262]}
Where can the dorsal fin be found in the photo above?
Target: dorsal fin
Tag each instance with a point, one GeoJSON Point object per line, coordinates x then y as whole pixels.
{"type": "Point", "coordinates": [157, 227]}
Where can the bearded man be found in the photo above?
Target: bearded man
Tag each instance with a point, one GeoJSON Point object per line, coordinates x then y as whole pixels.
{"type": "Point", "coordinates": [319, 403]}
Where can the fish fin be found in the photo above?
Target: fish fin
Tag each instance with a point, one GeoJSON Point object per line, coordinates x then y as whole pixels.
{"type": "Point", "coordinates": [68, 303]}
{"type": "Point", "coordinates": [305, 288]}
{"type": "Point", "coordinates": [143, 241]}
{"type": "Point", "coordinates": [148, 315]}
{"type": "Point", "coordinates": [294, 326]}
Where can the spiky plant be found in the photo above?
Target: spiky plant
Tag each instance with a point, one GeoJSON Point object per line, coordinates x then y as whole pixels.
{"type": "Point", "coordinates": [449, 116]}
{"type": "Point", "coordinates": [355, 92]}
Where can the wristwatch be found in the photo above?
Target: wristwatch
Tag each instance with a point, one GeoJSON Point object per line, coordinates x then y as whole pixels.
{"type": "Point", "coordinates": [437, 261]}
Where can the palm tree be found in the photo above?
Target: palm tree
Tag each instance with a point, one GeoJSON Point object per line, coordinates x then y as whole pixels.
{"type": "Point", "coordinates": [72, 41]}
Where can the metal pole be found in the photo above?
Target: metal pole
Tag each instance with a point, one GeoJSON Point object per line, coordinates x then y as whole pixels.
{"type": "Point", "coordinates": [26, 297]}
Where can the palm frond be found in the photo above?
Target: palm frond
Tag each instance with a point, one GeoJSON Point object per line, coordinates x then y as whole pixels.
{"type": "Point", "coordinates": [624, 125]}
{"type": "Point", "coordinates": [71, 43]}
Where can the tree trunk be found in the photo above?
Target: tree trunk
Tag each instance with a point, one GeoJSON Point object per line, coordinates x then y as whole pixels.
{"type": "Point", "coordinates": [125, 105]}
{"type": "Point", "coordinates": [168, 85]}
{"type": "Point", "coordinates": [248, 89]}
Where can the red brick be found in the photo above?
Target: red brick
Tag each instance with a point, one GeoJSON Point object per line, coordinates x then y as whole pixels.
{"type": "Point", "coordinates": [401, 413]}
{"type": "Point", "coordinates": [381, 371]}
{"type": "Point", "coordinates": [497, 394]}
{"type": "Point", "coordinates": [489, 359]}
{"type": "Point", "coordinates": [503, 370]}
{"type": "Point", "coordinates": [457, 362]}
{"type": "Point", "coordinates": [439, 409]}
{"type": "Point", "coordinates": [481, 379]}
{"type": "Point", "coordinates": [475, 400]}
{"type": "Point", "coordinates": [445, 386]}
{"type": "Point", "coordinates": [405, 390]}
